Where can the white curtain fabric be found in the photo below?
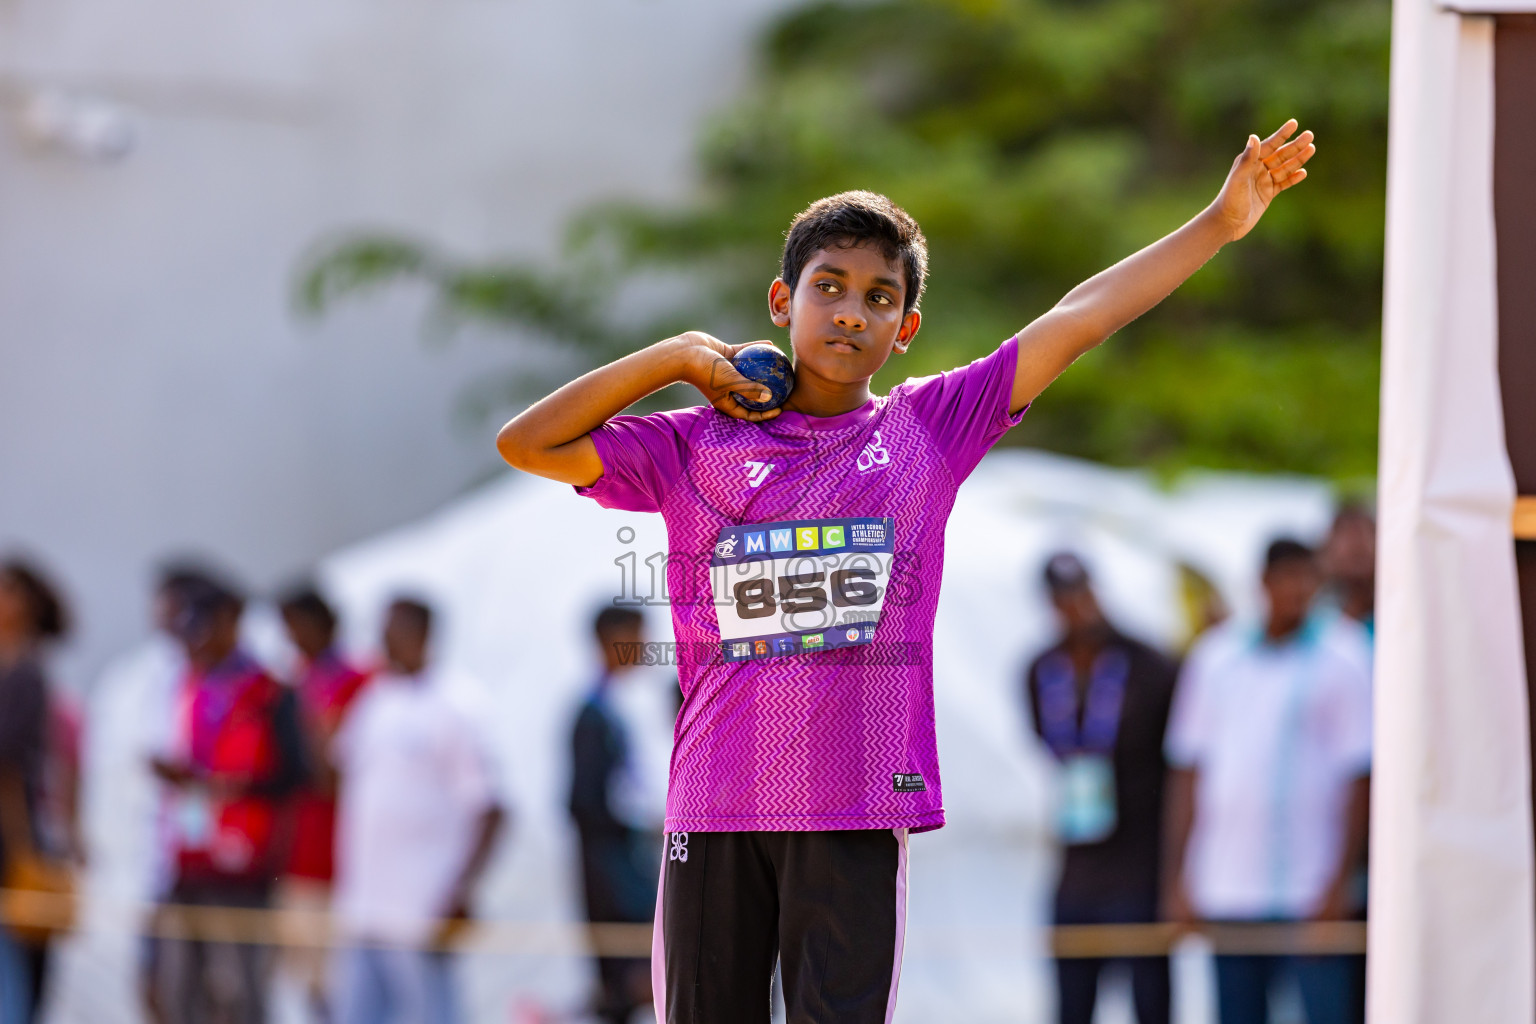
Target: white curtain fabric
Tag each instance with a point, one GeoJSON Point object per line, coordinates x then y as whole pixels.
{"type": "Point", "coordinates": [1451, 898]}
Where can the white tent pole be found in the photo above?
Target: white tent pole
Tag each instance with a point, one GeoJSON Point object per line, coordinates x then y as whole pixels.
{"type": "Point", "coordinates": [1452, 912]}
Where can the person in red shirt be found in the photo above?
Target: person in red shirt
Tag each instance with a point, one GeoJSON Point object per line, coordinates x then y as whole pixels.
{"type": "Point", "coordinates": [327, 684]}
{"type": "Point", "coordinates": [238, 755]}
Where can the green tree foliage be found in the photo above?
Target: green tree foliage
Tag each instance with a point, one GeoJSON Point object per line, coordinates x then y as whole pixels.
{"type": "Point", "coordinates": [1036, 141]}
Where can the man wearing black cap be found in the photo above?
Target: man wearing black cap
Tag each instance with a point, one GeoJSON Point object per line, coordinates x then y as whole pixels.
{"type": "Point", "coordinates": [1099, 701]}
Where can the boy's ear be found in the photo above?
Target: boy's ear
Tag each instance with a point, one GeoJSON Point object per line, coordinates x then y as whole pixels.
{"type": "Point", "coordinates": [909, 325]}
{"type": "Point", "coordinates": [778, 302]}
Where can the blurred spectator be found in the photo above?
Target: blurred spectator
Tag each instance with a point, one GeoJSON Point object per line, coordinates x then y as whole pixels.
{"type": "Point", "coordinates": [157, 671]}
{"type": "Point", "coordinates": [327, 685]}
{"type": "Point", "coordinates": [238, 754]}
{"type": "Point", "coordinates": [419, 814]}
{"type": "Point", "coordinates": [150, 675]}
{"type": "Point", "coordinates": [619, 868]}
{"type": "Point", "coordinates": [31, 615]}
{"type": "Point", "coordinates": [1349, 560]}
{"type": "Point", "coordinates": [1100, 702]}
{"type": "Point", "coordinates": [1270, 740]}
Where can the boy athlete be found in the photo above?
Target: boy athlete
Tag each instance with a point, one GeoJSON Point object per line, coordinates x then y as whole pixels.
{"type": "Point", "coordinates": [806, 549]}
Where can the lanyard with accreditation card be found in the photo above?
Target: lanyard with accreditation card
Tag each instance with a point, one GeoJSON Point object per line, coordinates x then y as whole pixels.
{"type": "Point", "coordinates": [1088, 812]}
{"type": "Point", "coordinates": [800, 586]}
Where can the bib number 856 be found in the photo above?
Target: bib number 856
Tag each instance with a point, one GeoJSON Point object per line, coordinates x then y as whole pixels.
{"type": "Point", "coordinates": [803, 592]}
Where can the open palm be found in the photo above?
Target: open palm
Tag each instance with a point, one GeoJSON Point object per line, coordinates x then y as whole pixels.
{"type": "Point", "coordinates": [1262, 171]}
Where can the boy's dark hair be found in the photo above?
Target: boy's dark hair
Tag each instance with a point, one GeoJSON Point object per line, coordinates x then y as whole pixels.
{"type": "Point", "coordinates": [850, 219]}
{"type": "Point", "coordinates": [610, 620]}
{"type": "Point", "coordinates": [416, 609]}
{"type": "Point", "coordinates": [306, 602]}
{"type": "Point", "coordinates": [1286, 551]}
{"type": "Point", "coordinates": [50, 619]}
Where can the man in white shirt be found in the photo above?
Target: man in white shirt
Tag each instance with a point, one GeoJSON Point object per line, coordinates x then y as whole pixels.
{"type": "Point", "coordinates": [418, 816]}
{"type": "Point", "coordinates": [1270, 745]}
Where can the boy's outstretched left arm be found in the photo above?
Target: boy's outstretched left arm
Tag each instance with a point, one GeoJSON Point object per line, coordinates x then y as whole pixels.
{"type": "Point", "coordinates": [1109, 300]}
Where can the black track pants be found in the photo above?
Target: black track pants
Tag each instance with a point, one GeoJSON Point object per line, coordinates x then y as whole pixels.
{"type": "Point", "coordinates": [830, 906]}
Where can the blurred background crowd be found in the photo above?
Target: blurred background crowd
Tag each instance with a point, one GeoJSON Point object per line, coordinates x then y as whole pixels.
{"type": "Point", "coordinates": [272, 276]}
{"type": "Point", "coordinates": [1223, 782]}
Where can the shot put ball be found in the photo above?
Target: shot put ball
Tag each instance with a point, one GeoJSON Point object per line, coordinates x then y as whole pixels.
{"type": "Point", "coordinates": [771, 368]}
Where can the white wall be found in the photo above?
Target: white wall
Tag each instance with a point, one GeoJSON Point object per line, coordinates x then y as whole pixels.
{"type": "Point", "coordinates": [157, 394]}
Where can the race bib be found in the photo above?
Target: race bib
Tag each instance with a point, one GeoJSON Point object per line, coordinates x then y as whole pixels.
{"type": "Point", "coordinates": [1088, 813]}
{"type": "Point", "coordinates": [800, 586]}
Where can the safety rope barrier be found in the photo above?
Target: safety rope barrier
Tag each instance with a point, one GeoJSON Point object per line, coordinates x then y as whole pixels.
{"type": "Point", "coordinates": [54, 912]}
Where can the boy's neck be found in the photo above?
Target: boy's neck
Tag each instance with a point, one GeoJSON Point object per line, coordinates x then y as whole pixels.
{"type": "Point", "coordinates": [813, 396]}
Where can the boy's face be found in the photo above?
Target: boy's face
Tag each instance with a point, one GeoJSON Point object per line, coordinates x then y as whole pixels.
{"type": "Point", "coordinates": [845, 315]}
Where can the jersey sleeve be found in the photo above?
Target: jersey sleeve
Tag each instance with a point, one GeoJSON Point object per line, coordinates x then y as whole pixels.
{"type": "Point", "coordinates": [642, 456]}
{"type": "Point", "coordinates": [966, 409]}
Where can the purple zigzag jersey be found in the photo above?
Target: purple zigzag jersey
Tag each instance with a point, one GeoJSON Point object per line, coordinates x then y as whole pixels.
{"type": "Point", "coordinates": [833, 738]}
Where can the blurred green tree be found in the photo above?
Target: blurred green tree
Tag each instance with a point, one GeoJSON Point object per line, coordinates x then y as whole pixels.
{"type": "Point", "coordinates": [1036, 141]}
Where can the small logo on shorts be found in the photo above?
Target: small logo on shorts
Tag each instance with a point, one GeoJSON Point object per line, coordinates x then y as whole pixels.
{"type": "Point", "coordinates": [907, 782]}
{"type": "Point", "coordinates": [679, 851]}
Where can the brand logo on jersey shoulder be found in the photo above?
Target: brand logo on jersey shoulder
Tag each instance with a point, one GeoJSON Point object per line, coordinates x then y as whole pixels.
{"type": "Point", "coordinates": [907, 782]}
{"type": "Point", "coordinates": [757, 472]}
{"type": "Point", "coordinates": [874, 454]}
{"type": "Point", "coordinates": [679, 851]}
